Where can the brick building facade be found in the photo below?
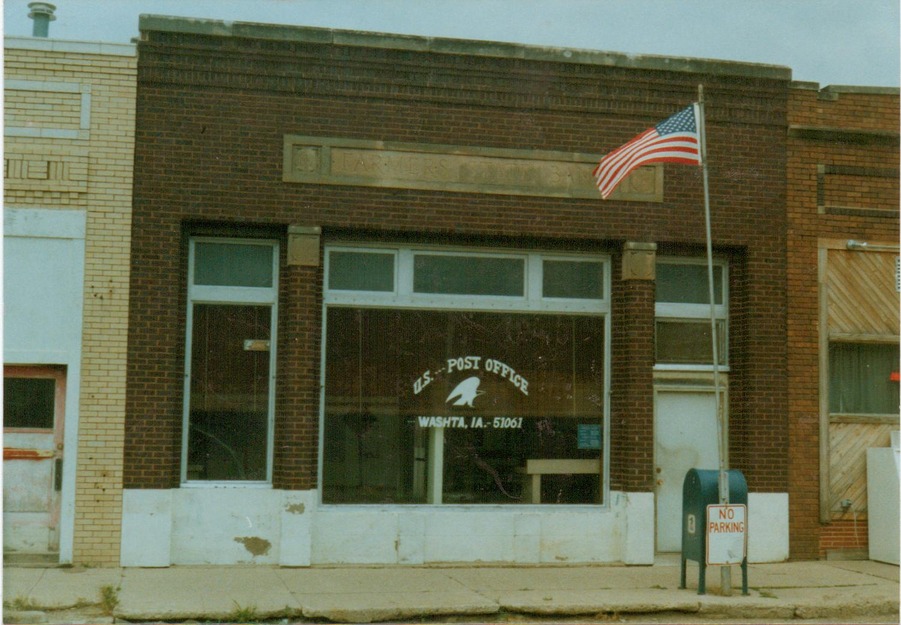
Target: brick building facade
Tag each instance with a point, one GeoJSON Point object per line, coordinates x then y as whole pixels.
{"type": "Point", "coordinates": [842, 291]}
{"type": "Point", "coordinates": [69, 144]}
{"type": "Point", "coordinates": [419, 213]}
{"type": "Point", "coordinates": [338, 151]}
{"type": "Point", "coordinates": [379, 181]}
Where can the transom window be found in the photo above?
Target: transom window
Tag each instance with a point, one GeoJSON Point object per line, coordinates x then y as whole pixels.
{"type": "Point", "coordinates": [682, 310]}
{"type": "Point", "coordinates": [464, 377]}
{"type": "Point", "coordinates": [230, 361]}
{"type": "Point", "coordinates": [431, 278]}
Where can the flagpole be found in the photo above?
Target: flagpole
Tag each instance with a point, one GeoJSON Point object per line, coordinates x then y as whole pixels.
{"type": "Point", "coordinates": [722, 432]}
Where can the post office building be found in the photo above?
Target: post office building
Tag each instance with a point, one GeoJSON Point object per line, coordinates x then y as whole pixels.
{"type": "Point", "coordinates": [380, 313]}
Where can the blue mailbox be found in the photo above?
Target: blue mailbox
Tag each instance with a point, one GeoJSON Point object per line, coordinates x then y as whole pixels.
{"type": "Point", "coordinates": [699, 490]}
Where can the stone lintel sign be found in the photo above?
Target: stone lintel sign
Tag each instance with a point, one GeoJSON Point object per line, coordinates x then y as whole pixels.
{"type": "Point", "coordinates": [335, 161]}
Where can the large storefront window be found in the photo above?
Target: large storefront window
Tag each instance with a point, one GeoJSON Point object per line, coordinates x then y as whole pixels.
{"type": "Point", "coordinates": [228, 393]}
{"type": "Point", "coordinates": [450, 401]}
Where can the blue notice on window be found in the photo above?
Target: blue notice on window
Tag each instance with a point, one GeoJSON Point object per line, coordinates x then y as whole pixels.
{"type": "Point", "coordinates": [589, 436]}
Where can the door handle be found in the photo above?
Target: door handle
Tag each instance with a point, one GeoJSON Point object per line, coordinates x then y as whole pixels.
{"type": "Point", "coordinates": [58, 475]}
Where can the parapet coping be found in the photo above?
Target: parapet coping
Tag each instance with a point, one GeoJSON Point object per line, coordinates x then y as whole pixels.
{"type": "Point", "coordinates": [849, 89]}
{"type": "Point", "coordinates": [60, 45]}
{"type": "Point", "coordinates": [440, 45]}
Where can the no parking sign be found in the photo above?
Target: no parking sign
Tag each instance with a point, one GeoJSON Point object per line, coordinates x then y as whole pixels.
{"type": "Point", "coordinates": [727, 533]}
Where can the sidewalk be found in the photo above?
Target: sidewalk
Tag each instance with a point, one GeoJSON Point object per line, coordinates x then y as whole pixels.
{"type": "Point", "coordinates": [826, 590]}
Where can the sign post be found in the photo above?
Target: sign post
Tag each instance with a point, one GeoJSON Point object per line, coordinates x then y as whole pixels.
{"type": "Point", "coordinates": [722, 430]}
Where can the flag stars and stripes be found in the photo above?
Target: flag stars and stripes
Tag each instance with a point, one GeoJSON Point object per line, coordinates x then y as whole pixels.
{"type": "Point", "coordinates": [674, 140]}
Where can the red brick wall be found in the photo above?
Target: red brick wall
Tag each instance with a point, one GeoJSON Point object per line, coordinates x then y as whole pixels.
{"type": "Point", "coordinates": [297, 425]}
{"type": "Point", "coordinates": [632, 405]}
{"type": "Point", "coordinates": [844, 535]}
{"type": "Point", "coordinates": [852, 112]}
{"type": "Point", "coordinates": [212, 113]}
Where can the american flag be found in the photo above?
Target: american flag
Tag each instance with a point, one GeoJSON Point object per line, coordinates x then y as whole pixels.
{"type": "Point", "coordinates": [674, 140]}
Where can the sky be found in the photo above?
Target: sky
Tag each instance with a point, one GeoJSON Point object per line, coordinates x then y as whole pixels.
{"type": "Point", "coordinates": [830, 42]}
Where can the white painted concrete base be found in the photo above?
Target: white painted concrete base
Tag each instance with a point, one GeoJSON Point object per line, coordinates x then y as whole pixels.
{"type": "Point", "coordinates": [767, 527]}
{"type": "Point", "coordinates": [289, 528]}
{"type": "Point", "coordinates": [884, 510]}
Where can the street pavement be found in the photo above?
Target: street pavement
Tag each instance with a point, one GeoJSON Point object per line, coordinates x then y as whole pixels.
{"type": "Point", "coordinates": [825, 591]}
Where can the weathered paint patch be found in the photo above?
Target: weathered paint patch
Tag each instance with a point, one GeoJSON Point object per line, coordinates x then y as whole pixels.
{"type": "Point", "coordinates": [12, 453]}
{"type": "Point", "coordinates": [254, 544]}
{"type": "Point", "coordinates": [295, 508]}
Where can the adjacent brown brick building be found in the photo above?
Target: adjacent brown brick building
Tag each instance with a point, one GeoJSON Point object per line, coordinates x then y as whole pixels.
{"type": "Point", "coordinates": [842, 290]}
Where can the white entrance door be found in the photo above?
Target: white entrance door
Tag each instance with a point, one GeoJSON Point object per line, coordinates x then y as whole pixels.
{"type": "Point", "coordinates": [685, 437]}
{"type": "Point", "coordinates": [33, 402]}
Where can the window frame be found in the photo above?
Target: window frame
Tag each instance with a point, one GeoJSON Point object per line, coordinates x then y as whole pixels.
{"type": "Point", "coordinates": [675, 311]}
{"type": "Point", "coordinates": [228, 295]}
{"type": "Point", "coordinates": [835, 417]}
{"type": "Point", "coordinates": [404, 297]}
{"type": "Point", "coordinates": [57, 373]}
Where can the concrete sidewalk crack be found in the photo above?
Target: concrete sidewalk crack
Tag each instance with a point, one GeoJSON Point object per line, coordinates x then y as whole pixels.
{"type": "Point", "coordinates": [26, 601]}
{"type": "Point", "coordinates": [297, 609]}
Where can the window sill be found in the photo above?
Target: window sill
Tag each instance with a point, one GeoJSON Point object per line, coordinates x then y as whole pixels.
{"type": "Point", "coordinates": [700, 368]}
{"type": "Point", "coordinates": [235, 484]}
{"type": "Point", "coordinates": [874, 419]}
{"type": "Point", "coordinates": [470, 508]}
